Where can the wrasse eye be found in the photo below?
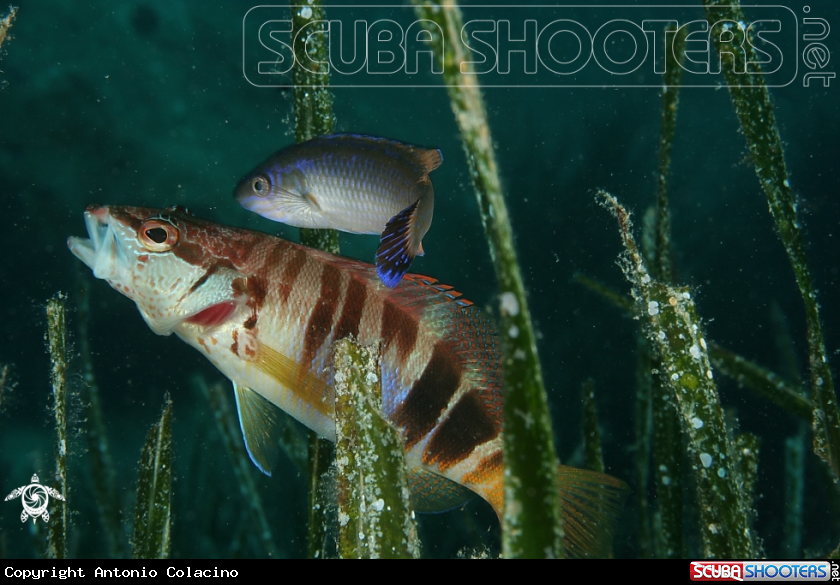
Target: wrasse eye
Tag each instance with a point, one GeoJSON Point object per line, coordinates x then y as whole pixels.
{"type": "Point", "coordinates": [158, 236]}
{"type": "Point", "coordinates": [260, 185]}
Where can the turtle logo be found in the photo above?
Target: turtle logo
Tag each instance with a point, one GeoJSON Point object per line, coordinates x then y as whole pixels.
{"type": "Point", "coordinates": [35, 499]}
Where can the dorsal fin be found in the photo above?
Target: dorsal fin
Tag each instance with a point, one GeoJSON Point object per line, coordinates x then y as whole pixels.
{"type": "Point", "coordinates": [465, 328]}
{"type": "Point", "coordinates": [426, 159]}
{"type": "Point", "coordinates": [471, 334]}
{"type": "Point", "coordinates": [447, 290]}
{"type": "Point", "coordinates": [440, 306]}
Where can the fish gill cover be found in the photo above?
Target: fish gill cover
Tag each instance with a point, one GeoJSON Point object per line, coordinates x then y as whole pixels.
{"type": "Point", "coordinates": [157, 103]}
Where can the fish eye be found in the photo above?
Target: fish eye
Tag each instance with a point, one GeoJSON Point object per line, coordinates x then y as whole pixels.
{"type": "Point", "coordinates": [158, 236]}
{"type": "Point", "coordinates": [260, 185]}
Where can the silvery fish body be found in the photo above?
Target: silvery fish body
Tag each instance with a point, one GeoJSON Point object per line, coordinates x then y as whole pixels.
{"type": "Point", "coordinates": [266, 313]}
{"type": "Point", "coordinates": [358, 184]}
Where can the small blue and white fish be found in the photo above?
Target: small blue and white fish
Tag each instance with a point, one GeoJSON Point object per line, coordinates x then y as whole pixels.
{"type": "Point", "coordinates": [353, 183]}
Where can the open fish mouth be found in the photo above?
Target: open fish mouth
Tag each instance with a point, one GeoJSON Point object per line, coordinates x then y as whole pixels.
{"type": "Point", "coordinates": [103, 251]}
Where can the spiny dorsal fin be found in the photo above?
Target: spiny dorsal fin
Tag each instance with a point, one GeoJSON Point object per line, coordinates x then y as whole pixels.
{"type": "Point", "coordinates": [467, 329]}
{"type": "Point", "coordinates": [471, 334]}
{"type": "Point", "coordinates": [447, 290]}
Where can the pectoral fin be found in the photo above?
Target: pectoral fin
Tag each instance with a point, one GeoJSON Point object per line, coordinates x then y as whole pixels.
{"type": "Point", "coordinates": [258, 421]}
{"type": "Point", "coordinates": [297, 378]}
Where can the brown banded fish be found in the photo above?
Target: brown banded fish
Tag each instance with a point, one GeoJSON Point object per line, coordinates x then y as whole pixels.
{"type": "Point", "coordinates": [266, 313]}
{"type": "Point", "coordinates": [353, 183]}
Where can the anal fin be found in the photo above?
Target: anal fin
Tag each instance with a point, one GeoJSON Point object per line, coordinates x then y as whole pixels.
{"type": "Point", "coordinates": [394, 255]}
{"type": "Point", "coordinates": [591, 504]}
{"type": "Point", "coordinates": [402, 239]}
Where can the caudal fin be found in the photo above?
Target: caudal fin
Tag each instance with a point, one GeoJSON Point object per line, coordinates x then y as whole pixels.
{"type": "Point", "coordinates": [591, 504]}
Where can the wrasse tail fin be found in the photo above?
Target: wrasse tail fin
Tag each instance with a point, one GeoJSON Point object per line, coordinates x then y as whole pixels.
{"type": "Point", "coordinates": [258, 421]}
{"type": "Point", "coordinates": [591, 504]}
{"type": "Point", "coordinates": [429, 159]}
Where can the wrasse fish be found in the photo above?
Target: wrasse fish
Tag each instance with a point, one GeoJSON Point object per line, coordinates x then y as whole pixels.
{"type": "Point", "coordinates": [352, 183]}
{"type": "Point", "coordinates": [266, 312]}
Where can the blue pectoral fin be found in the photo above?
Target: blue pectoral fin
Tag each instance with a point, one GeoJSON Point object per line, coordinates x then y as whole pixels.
{"type": "Point", "coordinates": [396, 249]}
{"type": "Point", "coordinates": [258, 421]}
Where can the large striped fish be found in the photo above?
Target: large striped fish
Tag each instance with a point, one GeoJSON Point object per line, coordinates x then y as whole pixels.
{"type": "Point", "coordinates": [266, 313]}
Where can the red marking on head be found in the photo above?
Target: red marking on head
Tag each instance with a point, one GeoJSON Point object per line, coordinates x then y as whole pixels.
{"type": "Point", "coordinates": [213, 315]}
{"type": "Point", "coordinates": [143, 258]}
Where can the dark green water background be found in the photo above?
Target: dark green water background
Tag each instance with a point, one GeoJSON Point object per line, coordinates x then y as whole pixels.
{"type": "Point", "coordinates": [144, 103]}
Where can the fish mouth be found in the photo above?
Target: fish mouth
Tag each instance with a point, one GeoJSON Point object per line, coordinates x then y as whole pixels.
{"type": "Point", "coordinates": [103, 251]}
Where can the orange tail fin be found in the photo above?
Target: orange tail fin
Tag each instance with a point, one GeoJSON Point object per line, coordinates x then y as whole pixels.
{"type": "Point", "coordinates": [591, 503]}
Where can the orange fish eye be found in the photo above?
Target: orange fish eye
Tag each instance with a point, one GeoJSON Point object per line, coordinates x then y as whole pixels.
{"type": "Point", "coordinates": [158, 236]}
{"type": "Point", "coordinates": [260, 185]}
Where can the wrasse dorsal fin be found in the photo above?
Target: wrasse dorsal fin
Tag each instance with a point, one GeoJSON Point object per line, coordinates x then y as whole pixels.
{"type": "Point", "coordinates": [426, 159]}
{"type": "Point", "coordinates": [260, 429]}
{"type": "Point", "coordinates": [296, 378]}
{"type": "Point", "coordinates": [591, 504]}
